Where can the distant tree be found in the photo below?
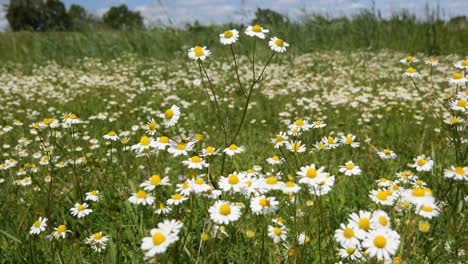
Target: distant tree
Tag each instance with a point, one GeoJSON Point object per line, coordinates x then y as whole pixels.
{"type": "Point", "coordinates": [79, 19]}
{"type": "Point", "coordinates": [268, 17]}
{"type": "Point", "coordinates": [37, 15]}
{"type": "Point", "coordinates": [121, 18]}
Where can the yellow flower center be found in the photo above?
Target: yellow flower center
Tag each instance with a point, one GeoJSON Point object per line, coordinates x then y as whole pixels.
{"type": "Point", "coordinates": [144, 141]}
{"type": "Point", "coordinates": [97, 236]}
{"type": "Point", "coordinates": [264, 202]}
{"type": "Point", "coordinates": [380, 241]}
{"type": "Point", "coordinates": [61, 228]}
{"type": "Point", "coordinates": [181, 146]}
{"type": "Point", "coordinates": [276, 158]}
{"type": "Point", "coordinates": [349, 140]}
{"type": "Point", "coordinates": [381, 195]}
{"type": "Point", "coordinates": [141, 194]}
{"type": "Point", "coordinates": [457, 76]}
{"type": "Point", "coordinates": [296, 147]}
{"type": "Point", "coordinates": [461, 103]}
{"type": "Point", "coordinates": [233, 179]}
{"type": "Point", "coordinates": [228, 34]}
{"type": "Point", "coordinates": [161, 206]}
{"type": "Point", "coordinates": [290, 184]}
{"type": "Point", "coordinates": [198, 51]}
{"type": "Point", "coordinates": [299, 122]}
{"type": "Point", "coordinates": [464, 63]}
{"type": "Point", "coordinates": [176, 196]}
{"type": "Point", "coordinates": [279, 139]}
{"type": "Point", "coordinates": [348, 233]}
{"type": "Point", "coordinates": [152, 126]}
{"type": "Point", "coordinates": [257, 28]}
{"type": "Point", "coordinates": [48, 121]}
{"type": "Point", "coordinates": [409, 59]}
{"type": "Point", "coordinates": [279, 42]}
{"type": "Point", "coordinates": [454, 120]}
{"type": "Point", "coordinates": [330, 140]}
{"type": "Point", "coordinates": [426, 208]}
{"type": "Point", "coordinates": [168, 114]}
{"type": "Point", "coordinates": [233, 147]}
{"type": "Point", "coordinates": [199, 181]}
{"type": "Point", "coordinates": [459, 170]}
{"type": "Point", "coordinates": [387, 151]}
{"type": "Point", "coordinates": [364, 223]}
{"type": "Point", "coordinates": [225, 209]}
{"type": "Point", "coordinates": [158, 238]}
{"type": "Point", "coordinates": [422, 162]}
{"type": "Point", "coordinates": [210, 150]}
{"type": "Point", "coordinates": [410, 70]}
{"type": "Point", "coordinates": [350, 250]}
{"type": "Point", "coordinates": [80, 208]}
{"type": "Point", "coordinates": [277, 231]}
{"type": "Point", "coordinates": [111, 134]}
{"type": "Point", "coordinates": [196, 159]}
{"type": "Point", "coordinates": [311, 173]}
{"type": "Point", "coordinates": [155, 180]}
{"type": "Point", "coordinates": [383, 220]}
{"type": "Point", "coordinates": [94, 192]}
{"type": "Point", "coordinates": [349, 166]}
{"type": "Point", "coordinates": [37, 223]}
{"type": "Point", "coordinates": [271, 180]}
{"type": "Point", "coordinates": [418, 192]}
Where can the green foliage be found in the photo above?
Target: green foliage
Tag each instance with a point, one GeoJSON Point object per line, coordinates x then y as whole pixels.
{"type": "Point", "coordinates": [36, 15]}
{"type": "Point", "coordinates": [121, 18]}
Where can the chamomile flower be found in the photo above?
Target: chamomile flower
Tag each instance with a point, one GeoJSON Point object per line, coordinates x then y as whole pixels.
{"type": "Point", "coordinates": [158, 242]}
{"type": "Point", "coordinates": [154, 181]}
{"type": "Point", "coordinates": [295, 146]}
{"type": "Point", "coordinates": [350, 140]}
{"type": "Point", "coordinates": [233, 149]}
{"type": "Point", "coordinates": [229, 37]}
{"type": "Point", "coordinates": [457, 78]}
{"type": "Point", "coordinates": [93, 195]}
{"type": "Point", "coordinates": [350, 169]}
{"type": "Point", "coordinates": [111, 136]}
{"type": "Point", "coordinates": [346, 235]}
{"type": "Point", "coordinates": [263, 205]}
{"type": "Point", "coordinates": [161, 142]}
{"type": "Point", "coordinates": [198, 53]}
{"type": "Point", "coordinates": [457, 173]}
{"type": "Point", "coordinates": [454, 120]}
{"type": "Point", "coordinates": [299, 125]}
{"type": "Point", "coordinates": [38, 226]}
{"type": "Point", "coordinates": [199, 185]}
{"type": "Point", "coordinates": [60, 232]}
{"type": "Point", "coordinates": [418, 196]}
{"type": "Point", "coordinates": [382, 196]}
{"type": "Point", "coordinates": [428, 210]}
{"type": "Point", "coordinates": [195, 162]}
{"type": "Point", "coordinates": [275, 160]}
{"type": "Point", "coordinates": [352, 253]}
{"type": "Point", "coordinates": [141, 197]}
{"type": "Point", "coordinates": [171, 116]}
{"type": "Point", "coordinates": [409, 60]}
{"type": "Point", "coordinates": [290, 187]}
{"type": "Point", "coordinates": [423, 163]}
{"type": "Point", "coordinates": [362, 220]}
{"type": "Point", "coordinates": [209, 151]}
{"type": "Point", "coordinates": [310, 175]}
{"type": "Point", "coordinates": [80, 210]}
{"type": "Point", "coordinates": [380, 219]}
{"type": "Point", "coordinates": [162, 209]}
{"type": "Point", "coordinates": [176, 199]}
{"type": "Point", "coordinates": [387, 154]}
{"type": "Point", "coordinates": [411, 73]}
{"type": "Point", "coordinates": [256, 31]}
{"type": "Point", "coordinates": [277, 233]}
{"type": "Point", "coordinates": [145, 145]}
{"type": "Point", "coordinates": [463, 65]}
{"type": "Point", "coordinates": [234, 181]}
{"type": "Point", "coordinates": [381, 243]}
{"type": "Point", "coordinates": [278, 45]}
{"type": "Point", "coordinates": [459, 104]}
{"type": "Point", "coordinates": [223, 212]}
{"type": "Point", "coordinates": [181, 148]}
{"type": "Point", "coordinates": [151, 127]}
{"type": "Point", "coordinates": [97, 241]}
{"type": "Point", "coordinates": [330, 142]}
{"type": "Point", "coordinates": [280, 140]}
{"type": "Point", "coordinates": [432, 61]}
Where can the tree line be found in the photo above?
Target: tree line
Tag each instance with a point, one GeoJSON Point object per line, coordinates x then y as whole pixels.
{"type": "Point", "coordinates": [52, 15]}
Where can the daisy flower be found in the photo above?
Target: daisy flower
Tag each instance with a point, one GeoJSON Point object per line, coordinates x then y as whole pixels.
{"type": "Point", "coordinates": [198, 53]}
{"type": "Point", "coordinates": [350, 140]}
{"type": "Point", "coordinates": [457, 173]}
{"type": "Point", "coordinates": [256, 31]}
{"type": "Point", "coordinates": [180, 148]}
{"type": "Point", "coordinates": [280, 140]}
{"type": "Point", "coordinates": [457, 78]}
{"type": "Point", "coordinates": [418, 196]}
{"type": "Point", "coordinates": [141, 197]}
{"type": "Point", "coordinates": [209, 151]}
{"type": "Point", "coordinates": [263, 205]}
{"type": "Point", "coordinates": [233, 149]}
{"type": "Point", "coordinates": [408, 60]}
{"type": "Point", "coordinates": [275, 160]}
{"type": "Point", "coordinates": [38, 226]}
{"type": "Point", "coordinates": [361, 220]}
{"type": "Point", "coordinates": [423, 163]}
{"type": "Point", "coordinates": [299, 125]}
{"type": "Point", "coordinates": [161, 143]}
{"type": "Point", "coordinates": [93, 195]}
{"type": "Point", "coordinates": [176, 199]}
{"type": "Point", "coordinates": [171, 116]}
{"type": "Point", "coordinates": [295, 146]}
{"type": "Point", "coordinates": [229, 37]}
{"type": "Point", "coordinates": [411, 72]}
{"type": "Point", "coordinates": [278, 45]}
{"type": "Point", "coordinates": [382, 196]}
{"type": "Point", "coordinates": [428, 210]}
{"type": "Point", "coordinates": [432, 61]}
{"type": "Point", "coordinates": [144, 146]}
{"type": "Point", "coordinates": [350, 253]}
{"type": "Point", "coordinates": [223, 212]}
{"type": "Point", "coordinates": [323, 185]}
{"type": "Point", "coordinates": [380, 219]}
{"type": "Point", "coordinates": [162, 209]}
{"type": "Point", "coordinates": [459, 104]}
{"type": "Point", "coordinates": [454, 120]}
{"type": "Point", "coordinates": [387, 154]}
{"type": "Point", "coordinates": [199, 185]}
{"type": "Point", "coordinates": [153, 182]}
{"type": "Point", "coordinates": [234, 182]}
{"type": "Point", "coordinates": [310, 175]}
{"type": "Point", "coordinates": [330, 142]}
{"type": "Point", "coordinates": [80, 210]}
{"type": "Point", "coordinates": [97, 241]}
{"type": "Point", "coordinates": [111, 136]}
{"type": "Point", "coordinates": [277, 233]}
{"type": "Point", "coordinates": [463, 65]}
{"type": "Point", "coordinates": [290, 188]}
{"type": "Point", "coordinates": [184, 188]}
{"type": "Point", "coordinates": [158, 242]}
{"type": "Point", "coordinates": [195, 162]}
{"type": "Point", "coordinates": [151, 127]}
{"type": "Point", "coordinates": [350, 169]}
{"type": "Point", "coordinates": [346, 235]}
{"type": "Point", "coordinates": [381, 243]}
{"type": "Point", "coordinates": [59, 232]}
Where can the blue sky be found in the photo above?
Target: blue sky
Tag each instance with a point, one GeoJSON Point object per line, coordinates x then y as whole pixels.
{"type": "Point", "coordinates": [177, 12]}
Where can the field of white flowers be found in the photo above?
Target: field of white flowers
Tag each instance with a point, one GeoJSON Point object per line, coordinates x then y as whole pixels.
{"type": "Point", "coordinates": [328, 157]}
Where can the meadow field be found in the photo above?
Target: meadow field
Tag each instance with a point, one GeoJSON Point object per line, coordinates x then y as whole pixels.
{"type": "Point", "coordinates": [249, 153]}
